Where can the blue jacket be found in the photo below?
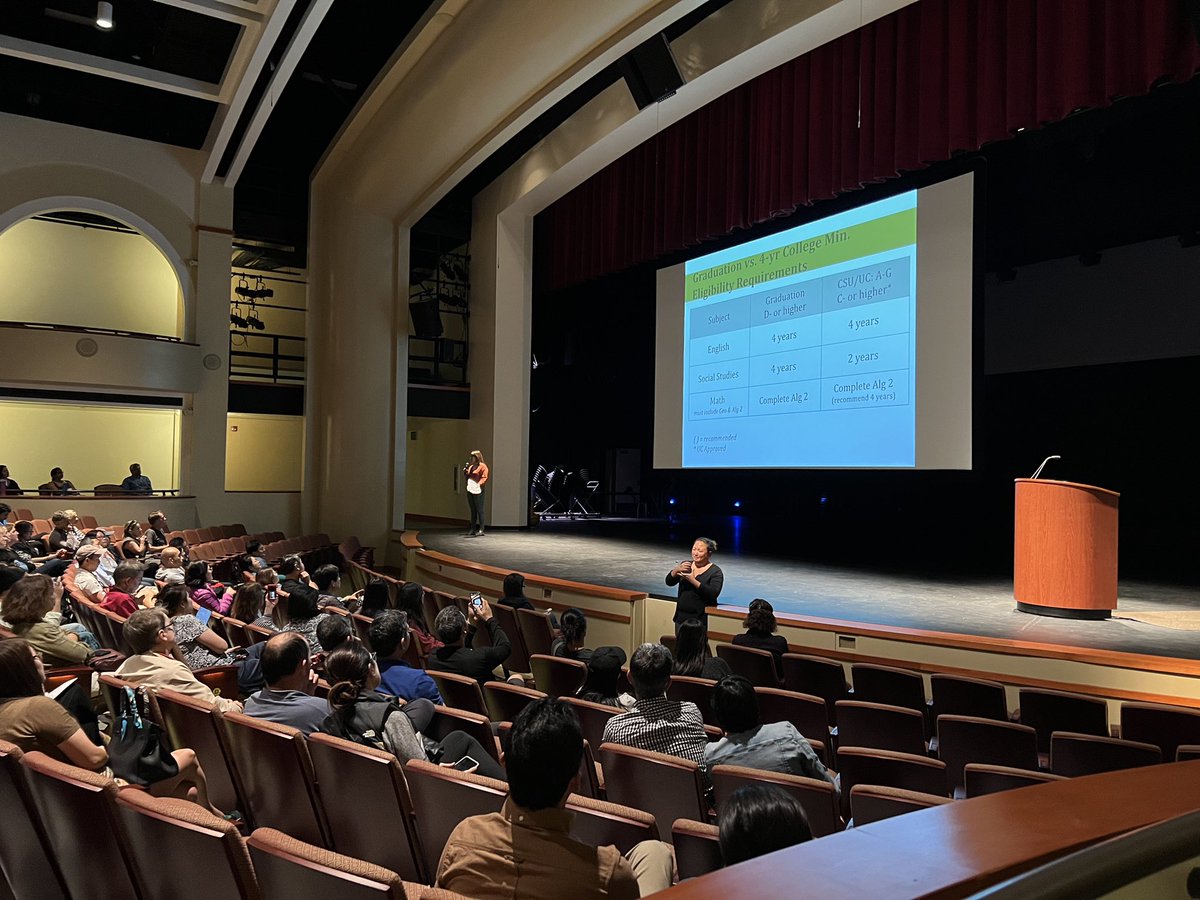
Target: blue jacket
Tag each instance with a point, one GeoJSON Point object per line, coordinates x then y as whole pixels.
{"type": "Point", "coordinates": [402, 680]}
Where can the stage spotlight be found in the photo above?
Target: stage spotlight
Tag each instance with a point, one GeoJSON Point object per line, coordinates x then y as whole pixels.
{"type": "Point", "coordinates": [671, 501]}
{"type": "Point", "coordinates": [104, 15]}
{"type": "Point", "coordinates": [737, 504]}
{"type": "Point", "coordinates": [824, 500]}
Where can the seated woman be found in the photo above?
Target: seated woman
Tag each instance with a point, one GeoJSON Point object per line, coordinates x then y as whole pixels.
{"type": "Point", "coordinates": [170, 568]}
{"type": "Point", "coordinates": [206, 592]}
{"type": "Point", "coordinates": [604, 667]}
{"type": "Point", "coordinates": [758, 819]}
{"type": "Point", "coordinates": [374, 598]}
{"type": "Point", "coordinates": [408, 601]}
{"type": "Point", "coordinates": [33, 721]}
{"type": "Point", "coordinates": [358, 708]}
{"type": "Point", "coordinates": [760, 633]}
{"type": "Point", "coordinates": [250, 606]}
{"type": "Point", "coordinates": [692, 656]}
{"type": "Point", "coordinates": [133, 544]}
{"type": "Point", "coordinates": [200, 645]}
{"type": "Point", "coordinates": [304, 614]}
{"type": "Point", "coordinates": [574, 632]}
{"type": "Point", "coordinates": [32, 611]}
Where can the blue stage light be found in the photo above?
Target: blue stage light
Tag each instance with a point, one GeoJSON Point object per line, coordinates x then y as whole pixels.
{"type": "Point", "coordinates": [824, 500]}
{"type": "Point", "coordinates": [737, 504]}
{"type": "Point", "coordinates": [672, 501]}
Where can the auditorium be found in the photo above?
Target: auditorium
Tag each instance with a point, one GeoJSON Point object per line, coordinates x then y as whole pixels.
{"type": "Point", "coordinates": [546, 448]}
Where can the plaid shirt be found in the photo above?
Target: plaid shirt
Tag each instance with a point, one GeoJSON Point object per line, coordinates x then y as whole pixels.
{"type": "Point", "coordinates": [665, 726]}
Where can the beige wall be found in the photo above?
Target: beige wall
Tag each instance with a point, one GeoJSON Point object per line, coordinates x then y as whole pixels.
{"type": "Point", "coordinates": [67, 275]}
{"type": "Point", "coordinates": [91, 444]}
{"type": "Point", "coordinates": [264, 453]}
{"type": "Point", "coordinates": [436, 451]}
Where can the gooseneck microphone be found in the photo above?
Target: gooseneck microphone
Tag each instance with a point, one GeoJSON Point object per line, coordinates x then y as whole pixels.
{"type": "Point", "coordinates": [1043, 465]}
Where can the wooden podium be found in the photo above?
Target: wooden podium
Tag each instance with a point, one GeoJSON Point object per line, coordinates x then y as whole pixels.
{"type": "Point", "coordinates": [1065, 549]}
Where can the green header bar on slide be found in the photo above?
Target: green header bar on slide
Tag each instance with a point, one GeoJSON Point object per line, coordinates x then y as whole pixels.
{"type": "Point", "coordinates": [841, 244]}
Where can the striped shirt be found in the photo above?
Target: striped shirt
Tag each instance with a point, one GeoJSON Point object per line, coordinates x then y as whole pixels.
{"type": "Point", "coordinates": [667, 726]}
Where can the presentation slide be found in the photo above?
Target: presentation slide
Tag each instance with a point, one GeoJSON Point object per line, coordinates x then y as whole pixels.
{"type": "Point", "coordinates": [823, 346]}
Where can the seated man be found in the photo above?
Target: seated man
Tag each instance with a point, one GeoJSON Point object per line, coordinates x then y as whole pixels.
{"type": "Point", "coordinates": [458, 655]}
{"type": "Point", "coordinates": [136, 483]}
{"type": "Point", "coordinates": [86, 580]}
{"type": "Point", "coordinates": [156, 662]}
{"type": "Point", "coordinates": [57, 485]}
{"type": "Point", "coordinates": [389, 639]}
{"type": "Point", "coordinates": [656, 723]}
{"type": "Point", "coordinates": [288, 697]}
{"type": "Point", "coordinates": [61, 537]}
{"type": "Point", "coordinates": [514, 592]}
{"type": "Point", "coordinates": [526, 849]}
{"type": "Point", "coordinates": [775, 747]}
{"type": "Point", "coordinates": [121, 597]}
{"type": "Point", "coordinates": [327, 579]}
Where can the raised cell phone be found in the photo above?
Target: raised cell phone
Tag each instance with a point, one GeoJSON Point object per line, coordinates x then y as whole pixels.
{"type": "Point", "coordinates": [204, 614]}
{"type": "Point", "coordinates": [477, 601]}
{"type": "Point", "coordinates": [465, 764]}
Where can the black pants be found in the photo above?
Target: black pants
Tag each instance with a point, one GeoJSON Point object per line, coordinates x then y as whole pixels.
{"type": "Point", "coordinates": [476, 503]}
{"type": "Point", "coordinates": [458, 744]}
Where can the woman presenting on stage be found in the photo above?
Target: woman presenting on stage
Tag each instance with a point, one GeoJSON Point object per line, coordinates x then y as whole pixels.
{"type": "Point", "coordinates": [476, 473]}
{"type": "Point", "coordinates": [700, 582]}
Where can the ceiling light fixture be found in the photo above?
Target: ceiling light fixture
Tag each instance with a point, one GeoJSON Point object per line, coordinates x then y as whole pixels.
{"type": "Point", "coordinates": [104, 15]}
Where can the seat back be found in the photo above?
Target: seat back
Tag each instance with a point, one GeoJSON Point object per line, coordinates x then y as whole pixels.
{"type": "Point", "coordinates": [25, 857]}
{"type": "Point", "coordinates": [667, 786]}
{"type": "Point", "coordinates": [1088, 754]}
{"type": "Point", "coordinates": [200, 727]}
{"type": "Point", "coordinates": [697, 848]}
{"type": "Point", "coordinates": [955, 695]}
{"type": "Point", "coordinates": [873, 802]}
{"type": "Point", "coordinates": [593, 717]}
{"type": "Point", "coordinates": [1185, 752]}
{"type": "Point", "coordinates": [886, 684]}
{"type": "Point", "coordinates": [459, 692]}
{"type": "Point", "coordinates": [286, 867]}
{"type": "Point", "coordinates": [536, 631]}
{"type": "Point", "coordinates": [505, 701]}
{"type": "Point", "coordinates": [277, 777]}
{"type": "Point", "coordinates": [78, 810]}
{"type": "Point", "coordinates": [694, 690]}
{"type": "Point", "coordinates": [980, 779]}
{"type": "Point", "coordinates": [1050, 711]}
{"type": "Point", "coordinates": [442, 798]}
{"type": "Point", "coordinates": [819, 798]}
{"type": "Point", "coordinates": [600, 824]}
{"type": "Point", "coordinates": [447, 719]}
{"type": "Point", "coordinates": [805, 711]}
{"type": "Point", "coordinates": [756, 665]}
{"type": "Point", "coordinates": [169, 837]}
{"type": "Point", "coordinates": [818, 676]}
{"type": "Point", "coordinates": [367, 805]}
{"type": "Point", "coordinates": [556, 675]}
{"type": "Point", "coordinates": [236, 633]}
{"type": "Point", "coordinates": [967, 739]}
{"type": "Point", "coordinates": [880, 726]}
{"type": "Point", "coordinates": [887, 768]}
{"type": "Point", "coordinates": [1164, 726]}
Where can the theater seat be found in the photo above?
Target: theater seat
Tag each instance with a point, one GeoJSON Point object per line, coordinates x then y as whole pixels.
{"type": "Point", "coordinates": [536, 631]}
{"type": "Point", "coordinates": [78, 809]}
{"type": "Point", "coordinates": [1050, 711]}
{"type": "Point", "coordinates": [966, 739]}
{"type": "Point", "coordinates": [1088, 754]}
{"type": "Point", "coordinates": [874, 803]}
{"type": "Point", "coordinates": [25, 857]}
{"type": "Point", "coordinates": [444, 797]}
{"type": "Point", "coordinates": [756, 665]}
{"type": "Point", "coordinates": [200, 727]}
{"type": "Point", "coordinates": [505, 701]}
{"type": "Point", "coordinates": [286, 867]}
{"type": "Point", "coordinates": [172, 839]}
{"type": "Point", "coordinates": [669, 787]}
{"type": "Point", "coordinates": [694, 690]}
{"type": "Point", "coordinates": [880, 726]}
{"type": "Point", "coordinates": [697, 848]}
{"type": "Point", "coordinates": [600, 823]}
{"type": "Point", "coordinates": [367, 805]}
{"type": "Point", "coordinates": [816, 675]}
{"type": "Point", "coordinates": [1164, 726]}
{"type": "Point", "coordinates": [556, 675]}
{"type": "Point", "coordinates": [460, 692]}
{"type": "Point", "coordinates": [887, 768]}
{"type": "Point", "coordinates": [818, 797]}
{"type": "Point", "coordinates": [805, 711]}
{"type": "Point", "coordinates": [980, 779]}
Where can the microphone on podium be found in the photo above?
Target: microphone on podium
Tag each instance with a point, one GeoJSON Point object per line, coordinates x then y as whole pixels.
{"type": "Point", "coordinates": [1043, 465]}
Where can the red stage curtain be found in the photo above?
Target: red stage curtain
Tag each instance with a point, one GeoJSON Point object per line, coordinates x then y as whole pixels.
{"type": "Point", "coordinates": [936, 77]}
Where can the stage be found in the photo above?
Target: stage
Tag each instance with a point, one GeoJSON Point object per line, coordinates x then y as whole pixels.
{"type": "Point", "coordinates": [636, 555]}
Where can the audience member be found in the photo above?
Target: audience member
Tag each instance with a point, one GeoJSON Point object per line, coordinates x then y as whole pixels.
{"type": "Point", "coordinates": [288, 697]}
{"type": "Point", "coordinates": [328, 582]}
{"type": "Point", "coordinates": [574, 631]}
{"type": "Point", "coordinates": [774, 747]}
{"type": "Point", "coordinates": [170, 567]}
{"type": "Point", "coordinates": [199, 645]}
{"type": "Point", "coordinates": [156, 534]}
{"type": "Point", "coordinates": [656, 723]}
{"type": "Point", "coordinates": [332, 632]}
{"type": "Point", "coordinates": [254, 551]}
{"type": "Point", "coordinates": [248, 567]}
{"type": "Point", "coordinates": [458, 655]}
{"type": "Point", "coordinates": [87, 581]}
{"type": "Point", "coordinates": [157, 662]}
{"type": "Point", "coordinates": [133, 545]}
{"type": "Point", "coordinates": [32, 611]}
{"type": "Point", "coordinates": [292, 575]}
{"type": "Point", "coordinates": [57, 485]}
{"type": "Point", "coordinates": [514, 592]}
{"type": "Point", "coordinates": [760, 633]}
{"type": "Point", "coordinates": [136, 483]}
{"type": "Point", "coordinates": [389, 639]}
{"type": "Point", "coordinates": [374, 598]}
{"type": "Point", "coordinates": [692, 656]}
{"type": "Point", "coordinates": [108, 560]}
{"type": "Point", "coordinates": [526, 849]}
{"type": "Point", "coordinates": [5, 512]}
{"type": "Point", "coordinates": [408, 601]}
{"type": "Point", "coordinates": [249, 606]}
{"type": "Point", "coordinates": [304, 615]}
{"type": "Point", "coordinates": [270, 585]}
{"type": "Point", "coordinates": [121, 597]}
{"type": "Point", "coordinates": [8, 487]}
{"type": "Point", "coordinates": [204, 590]}
{"type": "Point", "coordinates": [10, 575]}
{"type": "Point", "coordinates": [604, 667]}
{"type": "Point", "coordinates": [362, 714]}
{"type": "Point", "coordinates": [61, 536]}
{"type": "Point", "coordinates": [758, 819]}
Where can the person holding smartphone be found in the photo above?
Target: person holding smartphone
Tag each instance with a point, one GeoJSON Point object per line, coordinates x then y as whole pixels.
{"type": "Point", "coordinates": [476, 474]}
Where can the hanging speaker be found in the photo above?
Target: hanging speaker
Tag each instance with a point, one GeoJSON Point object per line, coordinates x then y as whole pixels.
{"type": "Point", "coordinates": [650, 71]}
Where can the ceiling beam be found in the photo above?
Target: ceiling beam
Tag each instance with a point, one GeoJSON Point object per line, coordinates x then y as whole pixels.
{"type": "Point", "coordinates": [242, 12]}
{"type": "Point", "coordinates": [109, 68]}
{"type": "Point", "coordinates": [247, 61]}
{"type": "Point", "coordinates": [283, 72]}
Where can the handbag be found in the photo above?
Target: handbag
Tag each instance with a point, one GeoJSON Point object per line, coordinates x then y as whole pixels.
{"type": "Point", "coordinates": [105, 660]}
{"type": "Point", "coordinates": [137, 752]}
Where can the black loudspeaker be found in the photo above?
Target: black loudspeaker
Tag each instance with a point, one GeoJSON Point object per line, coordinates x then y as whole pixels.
{"type": "Point", "coordinates": [651, 72]}
{"type": "Point", "coordinates": [1193, 13]}
{"type": "Point", "coordinates": [426, 317]}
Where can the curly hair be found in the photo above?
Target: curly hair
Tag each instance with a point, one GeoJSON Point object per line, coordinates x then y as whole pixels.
{"type": "Point", "coordinates": [760, 619]}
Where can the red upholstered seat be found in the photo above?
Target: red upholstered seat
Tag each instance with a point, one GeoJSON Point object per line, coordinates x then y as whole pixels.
{"type": "Point", "coordinates": [880, 726]}
{"type": "Point", "coordinates": [505, 701]}
{"type": "Point", "coordinates": [460, 692]}
{"type": "Point", "coordinates": [873, 802]}
{"type": "Point", "coordinates": [697, 848]}
{"type": "Point", "coordinates": [1088, 754]}
{"type": "Point", "coordinates": [536, 631]}
{"type": "Point", "coordinates": [286, 867]}
{"type": "Point", "coordinates": [818, 676]}
{"type": "Point", "coordinates": [556, 675]}
{"type": "Point", "coordinates": [442, 798]}
{"type": "Point", "coordinates": [756, 665]}
{"type": "Point", "coordinates": [887, 768]}
{"type": "Point", "coordinates": [966, 739]}
{"type": "Point", "coordinates": [980, 779]}
{"type": "Point", "coordinates": [818, 798]}
{"type": "Point", "coordinates": [1165, 726]}
{"type": "Point", "coordinates": [669, 787]}
{"type": "Point", "coordinates": [26, 860]}
{"type": "Point", "coordinates": [956, 695]}
{"type": "Point", "coordinates": [1050, 711]}
{"type": "Point", "coordinates": [200, 727]}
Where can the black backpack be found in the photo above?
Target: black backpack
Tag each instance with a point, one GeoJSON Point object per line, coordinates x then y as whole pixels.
{"type": "Point", "coordinates": [363, 722]}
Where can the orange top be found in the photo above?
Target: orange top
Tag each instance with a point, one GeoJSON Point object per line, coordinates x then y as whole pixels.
{"type": "Point", "coordinates": [478, 472]}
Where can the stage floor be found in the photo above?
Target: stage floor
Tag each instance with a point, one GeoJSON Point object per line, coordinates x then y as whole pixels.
{"type": "Point", "coordinates": [636, 555]}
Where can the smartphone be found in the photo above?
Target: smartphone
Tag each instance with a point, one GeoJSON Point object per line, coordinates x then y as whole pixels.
{"type": "Point", "coordinates": [477, 601]}
{"type": "Point", "coordinates": [204, 614]}
{"type": "Point", "coordinates": [272, 593]}
{"type": "Point", "coordinates": [465, 764]}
